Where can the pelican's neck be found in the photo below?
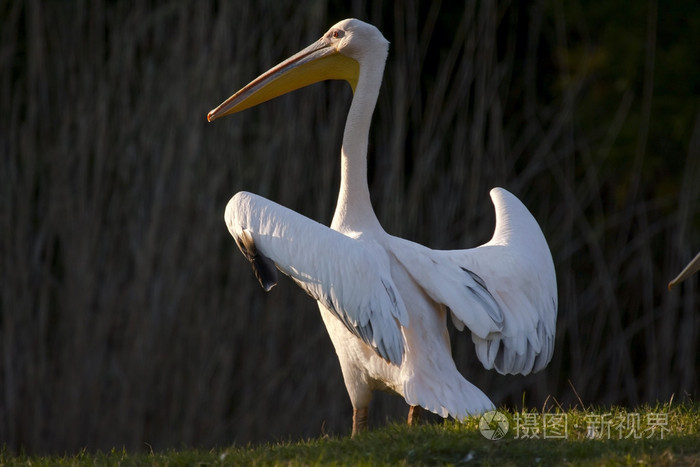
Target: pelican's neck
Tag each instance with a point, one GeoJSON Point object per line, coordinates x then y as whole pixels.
{"type": "Point", "coordinates": [354, 213]}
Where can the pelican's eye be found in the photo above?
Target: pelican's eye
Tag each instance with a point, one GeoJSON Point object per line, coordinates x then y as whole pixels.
{"type": "Point", "coordinates": [337, 34]}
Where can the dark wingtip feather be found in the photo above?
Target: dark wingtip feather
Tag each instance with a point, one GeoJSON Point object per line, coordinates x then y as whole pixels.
{"type": "Point", "coordinates": [263, 267]}
{"type": "Point", "coordinates": [265, 271]}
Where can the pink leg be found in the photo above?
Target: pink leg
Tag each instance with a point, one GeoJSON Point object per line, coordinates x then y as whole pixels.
{"type": "Point", "coordinates": [359, 420]}
{"type": "Point", "coordinates": [414, 414]}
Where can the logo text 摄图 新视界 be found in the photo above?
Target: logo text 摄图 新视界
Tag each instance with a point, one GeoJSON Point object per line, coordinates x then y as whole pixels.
{"type": "Point", "coordinates": [558, 425]}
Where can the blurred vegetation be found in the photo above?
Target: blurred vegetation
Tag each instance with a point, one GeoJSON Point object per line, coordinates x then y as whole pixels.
{"type": "Point", "coordinates": [127, 315]}
{"type": "Point", "coordinates": [660, 436]}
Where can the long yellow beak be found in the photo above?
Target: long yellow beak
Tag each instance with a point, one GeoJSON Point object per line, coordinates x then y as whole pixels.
{"type": "Point", "coordinates": [318, 62]}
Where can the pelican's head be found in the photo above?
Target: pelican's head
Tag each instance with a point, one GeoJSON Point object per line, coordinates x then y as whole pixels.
{"type": "Point", "coordinates": [338, 54]}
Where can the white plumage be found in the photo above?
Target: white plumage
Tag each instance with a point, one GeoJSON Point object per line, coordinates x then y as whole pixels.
{"type": "Point", "coordinates": [385, 300]}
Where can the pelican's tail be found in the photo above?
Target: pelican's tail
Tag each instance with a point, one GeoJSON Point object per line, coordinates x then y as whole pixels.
{"type": "Point", "coordinates": [451, 395]}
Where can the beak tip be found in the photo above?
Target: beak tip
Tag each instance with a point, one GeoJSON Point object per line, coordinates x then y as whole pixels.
{"type": "Point", "coordinates": [210, 116]}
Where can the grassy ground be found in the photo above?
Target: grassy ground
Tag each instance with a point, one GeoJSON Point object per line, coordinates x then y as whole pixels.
{"type": "Point", "coordinates": [659, 435]}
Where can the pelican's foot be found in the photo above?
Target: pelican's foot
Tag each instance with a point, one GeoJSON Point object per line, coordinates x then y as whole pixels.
{"type": "Point", "coordinates": [359, 420]}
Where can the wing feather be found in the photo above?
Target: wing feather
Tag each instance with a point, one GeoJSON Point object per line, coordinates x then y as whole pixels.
{"type": "Point", "coordinates": [263, 267]}
{"type": "Point", "coordinates": [346, 275]}
{"type": "Point", "coordinates": [504, 291]}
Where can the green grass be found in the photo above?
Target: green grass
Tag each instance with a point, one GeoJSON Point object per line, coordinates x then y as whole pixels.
{"type": "Point", "coordinates": [661, 435]}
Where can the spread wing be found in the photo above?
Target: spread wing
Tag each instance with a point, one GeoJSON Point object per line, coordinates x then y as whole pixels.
{"type": "Point", "coordinates": [348, 276]}
{"type": "Point", "coordinates": [504, 291]}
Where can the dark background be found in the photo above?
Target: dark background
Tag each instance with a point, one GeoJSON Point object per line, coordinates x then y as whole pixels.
{"type": "Point", "coordinates": [128, 316]}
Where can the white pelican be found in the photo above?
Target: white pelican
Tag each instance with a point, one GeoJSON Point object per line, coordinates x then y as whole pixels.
{"type": "Point", "coordinates": [690, 269]}
{"type": "Point", "coordinates": [383, 299]}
